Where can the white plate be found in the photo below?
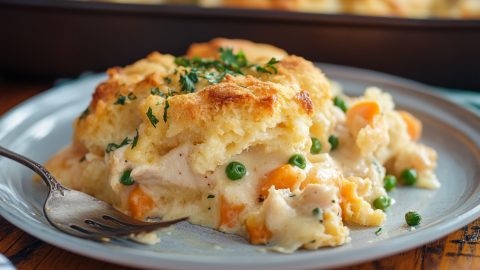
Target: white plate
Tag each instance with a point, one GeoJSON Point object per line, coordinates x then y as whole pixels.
{"type": "Point", "coordinates": [42, 125]}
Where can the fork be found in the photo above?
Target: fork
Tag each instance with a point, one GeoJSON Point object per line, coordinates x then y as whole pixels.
{"type": "Point", "coordinates": [82, 215]}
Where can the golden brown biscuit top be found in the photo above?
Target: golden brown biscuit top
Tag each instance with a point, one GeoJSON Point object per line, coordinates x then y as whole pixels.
{"type": "Point", "coordinates": [223, 100]}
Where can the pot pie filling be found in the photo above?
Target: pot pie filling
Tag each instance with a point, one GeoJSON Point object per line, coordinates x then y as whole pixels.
{"type": "Point", "coordinates": [246, 139]}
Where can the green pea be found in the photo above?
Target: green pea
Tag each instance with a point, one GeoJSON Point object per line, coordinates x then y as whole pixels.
{"type": "Point", "coordinates": [298, 160]}
{"type": "Point", "coordinates": [235, 170]}
{"type": "Point", "coordinates": [340, 103]}
{"type": "Point", "coordinates": [316, 147]}
{"type": "Point", "coordinates": [389, 182]}
{"type": "Point", "coordinates": [413, 218]}
{"type": "Point", "coordinates": [126, 179]}
{"type": "Point", "coordinates": [382, 203]}
{"type": "Point", "coordinates": [334, 142]}
{"type": "Point", "coordinates": [409, 177]}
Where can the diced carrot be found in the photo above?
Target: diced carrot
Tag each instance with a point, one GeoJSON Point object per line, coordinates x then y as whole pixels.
{"type": "Point", "coordinates": [414, 126]}
{"type": "Point", "coordinates": [348, 191]}
{"type": "Point", "coordinates": [258, 232]}
{"type": "Point", "coordinates": [367, 110]}
{"type": "Point", "coordinates": [285, 176]}
{"type": "Point", "coordinates": [229, 213]}
{"type": "Point", "coordinates": [355, 209]}
{"type": "Point", "coordinates": [140, 203]}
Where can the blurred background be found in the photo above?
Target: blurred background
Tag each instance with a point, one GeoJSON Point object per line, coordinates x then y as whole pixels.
{"type": "Point", "coordinates": [433, 41]}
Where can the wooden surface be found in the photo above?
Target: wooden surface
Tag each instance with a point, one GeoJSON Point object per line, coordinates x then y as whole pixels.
{"type": "Point", "coordinates": [459, 250]}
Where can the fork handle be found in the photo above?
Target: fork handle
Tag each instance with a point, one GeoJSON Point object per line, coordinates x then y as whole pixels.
{"type": "Point", "coordinates": [39, 169]}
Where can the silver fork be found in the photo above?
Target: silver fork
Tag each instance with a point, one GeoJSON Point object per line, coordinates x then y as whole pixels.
{"type": "Point", "coordinates": [82, 215]}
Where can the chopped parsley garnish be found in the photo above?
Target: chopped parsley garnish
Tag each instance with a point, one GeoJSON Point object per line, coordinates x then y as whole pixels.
{"type": "Point", "coordinates": [135, 139]}
{"type": "Point", "coordinates": [214, 70]}
{"type": "Point", "coordinates": [153, 119]}
{"type": "Point", "coordinates": [182, 61]}
{"type": "Point", "coordinates": [131, 96]}
{"type": "Point", "coordinates": [114, 146]}
{"type": "Point", "coordinates": [156, 92]}
{"type": "Point", "coordinates": [210, 196]}
{"type": "Point", "coordinates": [269, 67]}
{"type": "Point", "coordinates": [121, 100]}
{"type": "Point", "coordinates": [165, 110]}
{"type": "Point", "coordinates": [214, 77]}
{"type": "Point", "coordinates": [379, 231]}
{"type": "Point", "coordinates": [271, 64]}
{"type": "Point", "coordinates": [316, 211]}
{"type": "Point", "coordinates": [233, 62]}
{"type": "Point", "coordinates": [126, 179]}
{"type": "Point", "coordinates": [188, 81]}
{"type": "Point", "coordinates": [84, 114]}
{"type": "Point", "coordinates": [167, 105]}
{"type": "Point", "coordinates": [167, 80]}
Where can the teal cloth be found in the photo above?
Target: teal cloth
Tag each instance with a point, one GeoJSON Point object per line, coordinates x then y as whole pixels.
{"type": "Point", "coordinates": [471, 100]}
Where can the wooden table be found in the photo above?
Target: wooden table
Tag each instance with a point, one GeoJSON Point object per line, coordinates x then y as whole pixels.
{"type": "Point", "coordinates": [459, 250]}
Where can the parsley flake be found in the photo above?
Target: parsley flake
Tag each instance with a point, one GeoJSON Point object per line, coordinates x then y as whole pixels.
{"type": "Point", "coordinates": [131, 96]}
{"type": "Point", "coordinates": [210, 196]}
{"type": "Point", "coordinates": [156, 92]}
{"type": "Point", "coordinates": [167, 80]}
{"type": "Point", "coordinates": [269, 67]}
{"type": "Point", "coordinates": [379, 231]}
{"type": "Point", "coordinates": [165, 109]}
{"type": "Point", "coordinates": [126, 178]}
{"type": "Point", "coordinates": [214, 77]}
{"type": "Point", "coordinates": [121, 100]}
{"type": "Point", "coordinates": [135, 139]}
{"type": "Point", "coordinates": [153, 119]}
{"type": "Point", "coordinates": [84, 114]}
{"type": "Point", "coordinates": [189, 80]}
{"type": "Point", "coordinates": [263, 70]}
{"type": "Point", "coordinates": [114, 146]}
{"type": "Point", "coordinates": [316, 211]}
{"type": "Point", "coordinates": [233, 62]}
{"type": "Point", "coordinates": [182, 61]}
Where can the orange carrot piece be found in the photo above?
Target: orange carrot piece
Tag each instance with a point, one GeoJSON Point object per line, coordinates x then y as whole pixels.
{"type": "Point", "coordinates": [258, 232]}
{"type": "Point", "coordinates": [229, 213]}
{"type": "Point", "coordinates": [282, 177]}
{"type": "Point", "coordinates": [365, 109]}
{"type": "Point", "coordinates": [140, 203]}
{"type": "Point", "coordinates": [414, 126]}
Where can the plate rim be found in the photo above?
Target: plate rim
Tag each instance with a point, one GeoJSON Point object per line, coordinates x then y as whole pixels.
{"type": "Point", "coordinates": [300, 261]}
